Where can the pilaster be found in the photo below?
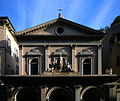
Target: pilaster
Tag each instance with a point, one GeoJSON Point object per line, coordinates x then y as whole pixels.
{"type": "Point", "coordinates": [77, 93]}
{"type": "Point", "coordinates": [118, 95]}
{"type": "Point", "coordinates": [112, 93]}
{"type": "Point", "coordinates": [39, 65]}
{"type": "Point", "coordinates": [73, 58]}
{"type": "Point", "coordinates": [46, 57]}
{"type": "Point", "coordinates": [43, 95]}
{"type": "Point", "coordinates": [20, 59]}
{"type": "Point", "coordinates": [100, 59]}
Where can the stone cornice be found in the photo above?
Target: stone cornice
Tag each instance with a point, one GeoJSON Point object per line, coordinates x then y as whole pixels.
{"type": "Point", "coordinates": [59, 21]}
{"type": "Point", "coordinates": [8, 24]}
{"type": "Point", "coordinates": [38, 27]}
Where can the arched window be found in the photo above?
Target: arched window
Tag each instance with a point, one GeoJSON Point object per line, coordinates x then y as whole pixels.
{"type": "Point", "coordinates": [34, 66]}
{"type": "Point", "coordinates": [33, 60]}
{"type": "Point", "coordinates": [86, 62]}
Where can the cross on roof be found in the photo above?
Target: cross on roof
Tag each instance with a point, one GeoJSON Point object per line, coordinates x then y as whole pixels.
{"type": "Point", "coordinates": [60, 14]}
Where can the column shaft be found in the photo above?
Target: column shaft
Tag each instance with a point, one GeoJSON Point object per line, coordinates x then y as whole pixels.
{"type": "Point", "coordinates": [46, 58]}
{"type": "Point", "coordinates": [20, 59]}
{"type": "Point", "coordinates": [73, 58]}
{"type": "Point", "coordinates": [99, 60]}
{"type": "Point", "coordinates": [77, 94]}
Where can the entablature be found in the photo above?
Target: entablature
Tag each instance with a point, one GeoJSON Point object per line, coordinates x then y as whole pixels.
{"type": "Point", "coordinates": [61, 44]}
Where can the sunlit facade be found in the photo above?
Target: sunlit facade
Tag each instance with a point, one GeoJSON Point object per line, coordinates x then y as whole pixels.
{"type": "Point", "coordinates": [9, 48]}
{"type": "Point", "coordinates": [59, 60]}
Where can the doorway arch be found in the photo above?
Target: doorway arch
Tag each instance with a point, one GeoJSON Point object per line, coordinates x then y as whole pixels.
{"type": "Point", "coordinates": [59, 94]}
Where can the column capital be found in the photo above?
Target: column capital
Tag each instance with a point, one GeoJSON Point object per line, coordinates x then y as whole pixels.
{"type": "Point", "coordinates": [73, 46]}
{"type": "Point", "coordinates": [77, 86]}
{"type": "Point", "coordinates": [46, 45]}
{"type": "Point", "coordinates": [100, 46]}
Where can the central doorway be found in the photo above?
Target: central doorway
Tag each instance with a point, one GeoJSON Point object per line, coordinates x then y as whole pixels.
{"type": "Point", "coordinates": [60, 94]}
{"type": "Point", "coordinates": [34, 66]}
{"type": "Point", "coordinates": [87, 66]}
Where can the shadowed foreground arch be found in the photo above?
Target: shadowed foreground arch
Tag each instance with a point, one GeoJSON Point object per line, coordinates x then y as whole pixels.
{"type": "Point", "coordinates": [27, 94]}
{"type": "Point", "coordinates": [92, 93]}
{"type": "Point", "coordinates": [59, 94]}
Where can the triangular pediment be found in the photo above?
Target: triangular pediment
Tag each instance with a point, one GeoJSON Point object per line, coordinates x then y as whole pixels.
{"type": "Point", "coordinates": [60, 27]}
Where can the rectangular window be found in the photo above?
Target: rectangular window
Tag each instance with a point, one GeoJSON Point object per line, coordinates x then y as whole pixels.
{"type": "Point", "coordinates": [17, 69]}
{"type": "Point", "coordinates": [118, 61]}
{"type": "Point", "coordinates": [14, 53]}
{"type": "Point", "coordinates": [9, 69]}
{"type": "Point", "coordinates": [17, 56]}
{"type": "Point", "coordinates": [9, 45]}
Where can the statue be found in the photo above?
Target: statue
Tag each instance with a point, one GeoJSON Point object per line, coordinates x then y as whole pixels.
{"type": "Point", "coordinates": [59, 66]}
{"type": "Point", "coordinates": [109, 71]}
{"type": "Point", "coordinates": [69, 67]}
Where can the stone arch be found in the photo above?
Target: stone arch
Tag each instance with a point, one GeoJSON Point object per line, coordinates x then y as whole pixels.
{"type": "Point", "coordinates": [93, 87]}
{"type": "Point", "coordinates": [15, 92]}
{"type": "Point", "coordinates": [50, 91]}
{"type": "Point", "coordinates": [22, 90]}
{"type": "Point", "coordinates": [32, 59]}
{"type": "Point", "coordinates": [59, 90]}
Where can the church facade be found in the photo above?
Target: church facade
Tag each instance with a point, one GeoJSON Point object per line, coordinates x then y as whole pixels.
{"type": "Point", "coordinates": [60, 42]}
{"type": "Point", "coordinates": [59, 60]}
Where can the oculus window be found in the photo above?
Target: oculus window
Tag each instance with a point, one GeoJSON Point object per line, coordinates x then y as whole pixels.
{"type": "Point", "coordinates": [59, 30]}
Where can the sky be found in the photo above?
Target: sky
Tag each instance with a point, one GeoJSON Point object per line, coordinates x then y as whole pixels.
{"type": "Point", "coordinates": [95, 14]}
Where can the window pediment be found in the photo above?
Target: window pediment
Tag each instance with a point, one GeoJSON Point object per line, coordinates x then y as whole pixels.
{"type": "Point", "coordinates": [34, 52]}
{"type": "Point", "coordinates": [86, 52]}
